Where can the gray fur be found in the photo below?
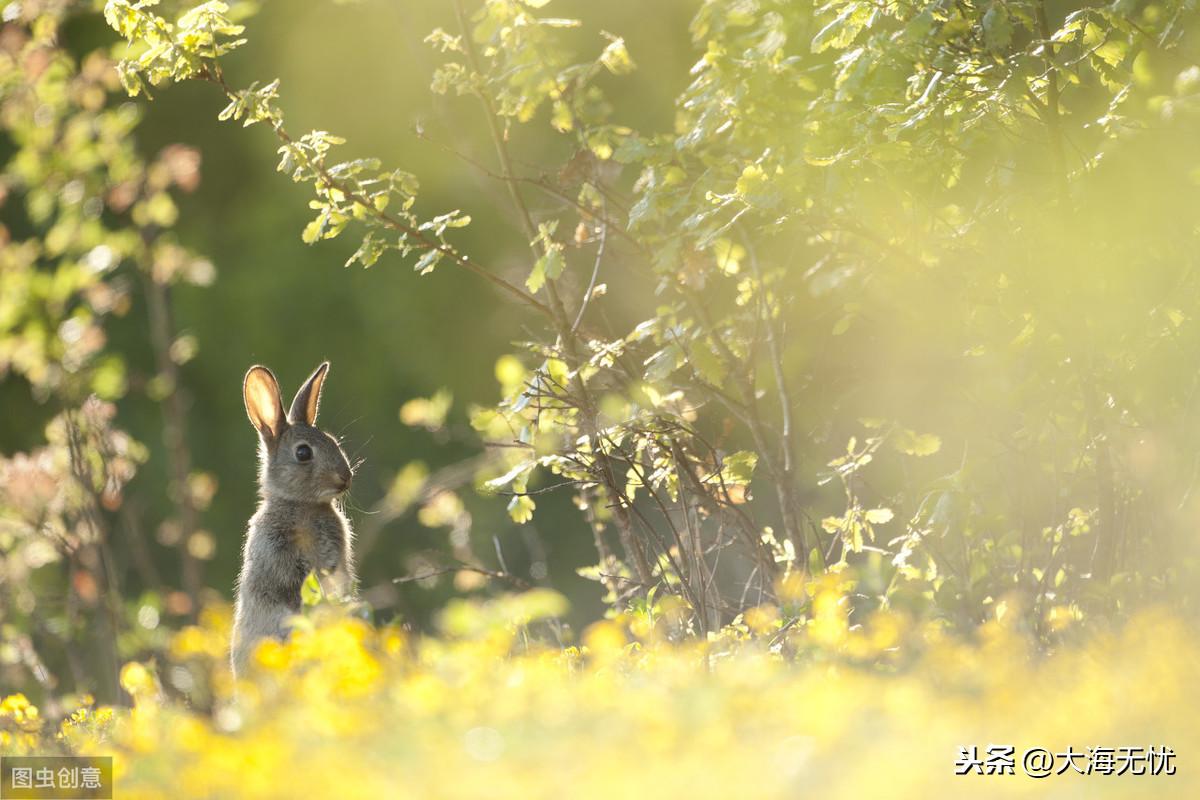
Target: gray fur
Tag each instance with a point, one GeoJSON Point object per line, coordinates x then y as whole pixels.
{"type": "Point", "coordinates": [298, 527]}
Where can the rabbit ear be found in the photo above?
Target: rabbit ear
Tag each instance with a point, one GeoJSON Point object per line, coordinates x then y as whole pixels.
{"type": "Point", "coordinates": [260, 390]}
{"type": "Point", "coordinates": [304, 407]}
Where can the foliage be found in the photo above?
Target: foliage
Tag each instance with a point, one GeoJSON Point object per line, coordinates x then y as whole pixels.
{"type": "Point", "coordinates": [85, 240]}
{"type": "Point", "coordinates": [489, 707]}
{"type": "Point", "coordinates": [834, 172]}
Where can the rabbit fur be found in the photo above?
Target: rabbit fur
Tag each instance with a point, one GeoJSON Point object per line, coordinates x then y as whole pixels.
{"type": "Point", "coordinates": [299, 526]}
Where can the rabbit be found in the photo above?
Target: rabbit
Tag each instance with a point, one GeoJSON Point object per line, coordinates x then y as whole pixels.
{"type": "Point", "coordinates": [299, 527]}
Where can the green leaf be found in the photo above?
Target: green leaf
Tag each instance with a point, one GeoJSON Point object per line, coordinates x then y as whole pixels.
{"type": "Point", "coordinates": [537, 277]}
{"type": "Point", "coordinates": [496, 484]}
{"type": "Point", "coordinates": [844, 28]}
{"type": "Point", "coordinates": [878, 516]}
{"type": "Point", "coordinates": [816, 561]}
{"type": "Point", "coordinates": [312, 231]}
{"type": "Point", "coordinates": [427, 262]}
{"type": "Point", "coordinates": [561, 117]}
{"type": "Point", "coordinates": [737, 469]}
{"type": "Point", "coordinates": [751, 180]}
{"type": "Point", "coordinates": [553, 263]}
{"type": "Point", "coordinates": [521, 508]}
{"type": "Point", "coordinates": [548, 267]}
{"type": "Point", "coordinates": [616, 57]}
{"type": "Point", "coordinates": [310, 590]}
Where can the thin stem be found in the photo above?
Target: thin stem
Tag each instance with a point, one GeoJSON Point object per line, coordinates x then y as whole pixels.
{"type": "Point", "coordinates": [174, 430]}
{"type": "Point", "coordinates": [1053, 99]}
{"type": "Point", "coordinates": [591, 287]}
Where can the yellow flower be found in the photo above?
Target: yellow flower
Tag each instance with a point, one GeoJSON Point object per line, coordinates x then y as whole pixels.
{"type": "Point", "coordinates": [138, 680]}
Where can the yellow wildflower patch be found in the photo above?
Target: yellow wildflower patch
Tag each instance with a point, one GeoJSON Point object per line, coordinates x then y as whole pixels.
{"type": "Point", "coordinates": [496, 706]}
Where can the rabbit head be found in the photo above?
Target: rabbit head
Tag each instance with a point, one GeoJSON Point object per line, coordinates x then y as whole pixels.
{"type": "Point", "coordinates": [297, 461]}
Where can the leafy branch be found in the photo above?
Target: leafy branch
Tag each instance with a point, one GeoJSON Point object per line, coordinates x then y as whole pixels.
{"type": "Point", "coordinates": [345, 191]}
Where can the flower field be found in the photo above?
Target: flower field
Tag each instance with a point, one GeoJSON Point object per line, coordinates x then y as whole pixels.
{"type": "Point", "coordinates": [491, 708]}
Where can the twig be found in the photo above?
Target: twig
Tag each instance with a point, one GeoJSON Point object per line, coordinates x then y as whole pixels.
{"type": "Point", "coordinates": [587, 295]}
{"type": "Point", "coordinates": [174, 423]}
{"type": "Point", "coordinates": [463, 567]}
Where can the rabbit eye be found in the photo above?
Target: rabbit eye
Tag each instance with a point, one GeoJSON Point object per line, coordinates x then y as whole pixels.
{"type": "Point", "coordinates": [303, 452]}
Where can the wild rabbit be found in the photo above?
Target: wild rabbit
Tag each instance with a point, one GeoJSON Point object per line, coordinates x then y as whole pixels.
{"type": "Point", "coordinates": [299, 527]}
